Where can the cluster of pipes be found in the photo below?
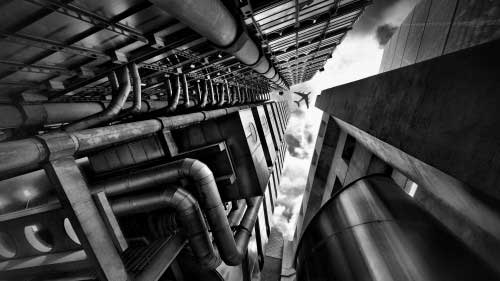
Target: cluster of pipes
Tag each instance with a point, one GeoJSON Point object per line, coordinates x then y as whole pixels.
{"type": "Point", "coordinates": [152, 188]}
{"type": "Point", "coordinates": [158, 185]}
{"type": "Point", "coordinates": [189, 209]}
{"type": "Point", "coordinates": [206, 93]}
{"type": "Point", "coordinates": [180, 96]}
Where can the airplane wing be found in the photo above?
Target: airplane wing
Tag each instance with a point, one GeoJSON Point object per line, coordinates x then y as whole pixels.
{"type": "Point", "coordinates": [302, 95]}
{"type": "Point", "coordinates": [297, 102]}
{"type": "Point", "coordinates": [307, 102]}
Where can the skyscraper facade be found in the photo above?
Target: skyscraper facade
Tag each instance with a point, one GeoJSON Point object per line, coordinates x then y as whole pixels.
{"type": "Point", "coordinates": [402, 184]}
{"type": "Point", "coordinates": [144, 140]}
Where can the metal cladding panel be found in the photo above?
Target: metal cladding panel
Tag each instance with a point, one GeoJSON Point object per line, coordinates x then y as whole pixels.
{"type": "Point", "coordinates": [126, 155]}
{"type": "Point", "coordinates": [270, 198]}
{"type": "Point", "coordinates": [273, 126]}
{"type": "Point", "coordinates": [274, 187]}
{"type": "Point", "coordinates": [268, 211]}
{"type": "Point", "coordinates": [277, 121]}
{"type": "Point", "coordinates": [264, 134]}
{"type": "Point", "coordinates": [285, 115]}
{"type": "Point", "coordinates": [279, 118]}
{"type": "Point", "coordinates": [239, 131]}
{"type": "Point", "coordinates": [261, 220]}
{"type": "Point", "coordinates": [256, 149]}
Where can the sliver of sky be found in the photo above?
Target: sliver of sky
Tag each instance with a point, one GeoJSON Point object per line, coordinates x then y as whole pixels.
{"type": "Point", "coordinates": [357, 57]}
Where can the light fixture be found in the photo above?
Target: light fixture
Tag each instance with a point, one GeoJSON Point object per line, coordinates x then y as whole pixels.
{"type": "Point", "coordinates": [192, 65]}
{"type": "Point", "coordinates": [26, 193]}
{"type": "Point", "coordinates": [219, 55]}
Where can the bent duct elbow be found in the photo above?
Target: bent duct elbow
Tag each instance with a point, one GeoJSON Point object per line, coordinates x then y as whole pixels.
{"type": "Point", "coordinates": [174, 101]}
{"type": "Point", "coordinates": [113, 109]}
{"type": "Point", "coordinates": [136, 80]}
{"type": "Point", "coordinates": [206, 188]}
{"type": "Point", "coordinates": [188, 214]}
{"type": "Point", "coordinates": [188, 103]}
{"type": "Point", "coordinates": [204, 97]}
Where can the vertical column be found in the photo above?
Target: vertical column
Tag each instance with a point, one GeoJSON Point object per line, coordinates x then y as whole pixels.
{"type": "Point", "coordinates": [76, 199]}
{"type": "Point", "coordinates": [74, 195]}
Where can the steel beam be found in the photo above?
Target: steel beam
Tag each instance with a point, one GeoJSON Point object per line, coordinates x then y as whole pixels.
{"type": "Point", "coordinates": [43, 43]}
{"type": "Point", "coordinates": [91, 18]}
{"type": "Point", "coordinates": [90, 228]}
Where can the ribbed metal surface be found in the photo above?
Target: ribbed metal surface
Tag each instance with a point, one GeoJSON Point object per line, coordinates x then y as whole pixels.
{"type": "Point", "coordinates": [138, 257]}
{"type": "Point", "coordinates": [372, 230]}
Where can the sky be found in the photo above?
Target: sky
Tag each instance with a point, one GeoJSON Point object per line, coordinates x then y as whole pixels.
{"type": "Point", "coordinates": [357, 57]}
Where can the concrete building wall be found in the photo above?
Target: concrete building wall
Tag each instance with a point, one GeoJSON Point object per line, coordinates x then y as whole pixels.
{"type": "Point", "coordinates": [438, 27]}
{"type": "Point", "coordinates": [434, 28]}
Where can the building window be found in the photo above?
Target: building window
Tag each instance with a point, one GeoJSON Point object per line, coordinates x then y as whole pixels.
{"type": "Point", "coordinates": [348, 150]}
{"type": "Point", "coordinates": [411, 188]}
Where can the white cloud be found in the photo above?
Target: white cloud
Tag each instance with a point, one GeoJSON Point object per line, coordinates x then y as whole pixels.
{"type": "Point", "coordinates": [357, 57]}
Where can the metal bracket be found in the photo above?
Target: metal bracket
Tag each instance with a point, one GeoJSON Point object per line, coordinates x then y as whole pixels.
{"type": "Point", "coordinates": [89, 226]}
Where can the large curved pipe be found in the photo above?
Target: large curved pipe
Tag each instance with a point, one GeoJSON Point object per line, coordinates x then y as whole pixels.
{"type": "Point", "coordinates": [188, 213]}
{"type": "Point", "coordinates": [206, 187]}
{"type": "Point", "coordinates": [212, 19]}
{"type": "Point", "coordinates": [111, 111]}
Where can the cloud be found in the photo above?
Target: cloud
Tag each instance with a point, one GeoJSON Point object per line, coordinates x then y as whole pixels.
{"type": "Point", "coordinates": [383, 12]}
{"type": "Point", "coordinates": [384, 33]}
{"type": "Point", "coordinates": [357, 57]}
{"type": "Point", "coordinates": [295, 147]}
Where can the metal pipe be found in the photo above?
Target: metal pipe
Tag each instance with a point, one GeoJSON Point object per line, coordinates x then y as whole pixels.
{"type": "Point", "coordinates": [198, 91]}
{"type": "Point", "coordinates": [244, 232]}
{"type": "Point", "coordinates": [110, 112]}
{"type": "Point", "coordinates": [221, 95]}
{"type": "Point", "coordinates": [40, 114]}
{"type": "Point", "coordinates": [185, 89]}
{"type": "Point", "coordinates": [188, 213]}
{"type": "Point", "coordinates": [36, 150]}
{"type": "Point", "coordinates": [136, 80]}
{"type": "Point", "coordinates": [373, 230]}
{"type": "Point", "coordinates": [204, 97]}
{"type": "Point", "coordinates": [236, 214]}
{"type": "Point", "coordinates": [211, 19]}
{"type": "Point", "coordinates": [170, 91]}
{"type": "Point", "coordinates": [233, 95]}
{"type": "Point", "coordinates": [212, 92]}
{"type": "Point", "coordinates": [174, 101]}
{"type": "Point", "coordinates": [113, 82]}
{"type": "Point", "coordinates": [228, 92]}
{"type": "Point", "coordinates": [206, 187]}
{"type": "Point", "coordinates": [240, 96]}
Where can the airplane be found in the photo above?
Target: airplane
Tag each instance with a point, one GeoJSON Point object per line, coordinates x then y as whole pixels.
{"type": "Point", "coordinates": [303, 97]}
